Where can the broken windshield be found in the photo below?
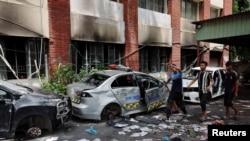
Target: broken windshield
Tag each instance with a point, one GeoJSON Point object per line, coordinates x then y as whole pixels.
{"type": "Point", "coordinates": [95, 79]}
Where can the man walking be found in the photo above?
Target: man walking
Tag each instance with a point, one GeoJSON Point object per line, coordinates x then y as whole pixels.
{"type": "Point", "coordinates": [231, 84]}
{"type": "Point", "coordinates": [175, 92]}
{"type": "Point", "coordinates": [205, 82]}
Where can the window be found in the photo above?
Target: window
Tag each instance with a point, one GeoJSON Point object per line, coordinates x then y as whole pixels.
{"type": "Point", "coordinates": [153, 59]}
{"type": "Point", "coordinates": [189, 9]}
{"type": "Point", "coordinates": [94, 55]}
{"type": "Point", "coordinates": [214, 13]}
{"type": "Point", "coordinates": [34, 52]}
{"type": "Point", "coordinates": [21, 54]}
{"type": "Point", "coordinates": [142, 3]}
{"type": "Point", "coordinates": [154, 5]}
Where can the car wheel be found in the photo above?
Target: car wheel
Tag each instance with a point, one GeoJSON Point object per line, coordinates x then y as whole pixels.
{"type": "Point", "coordinates": [34, 132]}
{"type": "Point", "coordinates": [110, 111]}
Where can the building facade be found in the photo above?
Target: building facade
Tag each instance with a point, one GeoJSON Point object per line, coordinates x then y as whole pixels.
{"type": "Point", "coordinates": [142, 34]}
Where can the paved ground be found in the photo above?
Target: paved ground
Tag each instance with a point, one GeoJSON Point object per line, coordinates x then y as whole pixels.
{"type": "Point", "coordinates": [151, 127]}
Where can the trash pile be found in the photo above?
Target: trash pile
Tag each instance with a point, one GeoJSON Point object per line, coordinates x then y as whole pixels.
{"type": "Point", "coordinates": [167, 129]}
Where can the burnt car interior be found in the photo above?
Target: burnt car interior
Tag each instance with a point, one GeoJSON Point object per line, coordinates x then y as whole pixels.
{"type": "Point", "coordinates": [96, 79]}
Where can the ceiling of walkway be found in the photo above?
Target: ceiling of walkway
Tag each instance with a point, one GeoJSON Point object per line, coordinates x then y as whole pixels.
{"type": "Point", "coordinates": [230, 30]}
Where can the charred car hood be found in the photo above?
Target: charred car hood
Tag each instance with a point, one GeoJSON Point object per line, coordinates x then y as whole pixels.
{"type": "Point", "coordinates": [45, 93]}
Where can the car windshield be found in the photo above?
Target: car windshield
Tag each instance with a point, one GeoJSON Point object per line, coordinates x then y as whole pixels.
{"type": "Point", "coordinates": [95, 79]}
{"type": "Point", "coordinates": [192, 74]}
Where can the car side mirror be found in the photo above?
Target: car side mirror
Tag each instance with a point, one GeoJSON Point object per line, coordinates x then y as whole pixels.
{"type": "Point", "coordinates": [160, 84]}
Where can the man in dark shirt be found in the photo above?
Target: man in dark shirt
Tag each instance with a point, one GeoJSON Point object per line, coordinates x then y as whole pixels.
{"type": "Point", "coordinates": [205, 82]}
{"type": "Point", "coordinates": [176, 91]}
{"type": "Point", "coordinates": [231, 83]}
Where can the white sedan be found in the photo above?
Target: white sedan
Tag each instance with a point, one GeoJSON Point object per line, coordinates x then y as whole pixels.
{"type": "Point", "coordinates": [110, 92]}
{"type": "Point", "coordinates": [192, 94]}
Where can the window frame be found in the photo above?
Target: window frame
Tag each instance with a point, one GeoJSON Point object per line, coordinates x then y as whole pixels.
{"type": "Point", "coordinates": [153, 5]}
{"type": "Point", "coordinates": [185, 13]}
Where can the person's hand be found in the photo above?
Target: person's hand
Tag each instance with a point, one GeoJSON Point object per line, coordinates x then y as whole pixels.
{"type": "Point", "coordinates": [208, 88]}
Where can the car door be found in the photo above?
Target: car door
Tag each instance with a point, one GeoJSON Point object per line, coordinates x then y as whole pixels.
{"type": "Point", "coordinates": [217, 81]}
{"type": "Point", "coordinates": [217, 88]}
{"type": "Point", "coordinates": [127, 92]}
{"type": "Point", "coordinates": [5, 111]}
{"type": "Point", "coordinates": [155, 92]}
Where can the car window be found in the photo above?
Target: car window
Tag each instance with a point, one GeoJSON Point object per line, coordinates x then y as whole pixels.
{"type": "Point", "coordinates": [193, 73]}
{"type": "Point", "coordinates": [124, 81]}
{"type": "Point", "coordinates": [149, 81]}
{"type": "Point", "coordinates": [95, 79]}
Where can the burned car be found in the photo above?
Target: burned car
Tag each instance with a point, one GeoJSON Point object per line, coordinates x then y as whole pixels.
{"type": "Point", "coordinates": [31, 110]}
{"type": "Point", "coordinates": [107, 93]}
{"type": "Point", "coordinates": [192, 94]}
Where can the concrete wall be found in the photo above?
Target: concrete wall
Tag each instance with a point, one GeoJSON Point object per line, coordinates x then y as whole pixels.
{"type": "Point", "coordinates": [27, 18]}
{"type": "Point", "coordinates": [97, 20]}
{"type": "Point", "coordinates": [217, 3]}
{"type": "Point", "coordinates": [154, 27]}
{"type": "Point", "coordinates": [187, 32]}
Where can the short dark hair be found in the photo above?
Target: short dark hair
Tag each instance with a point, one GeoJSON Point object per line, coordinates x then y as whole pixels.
{"type": "Point", "coordinates": [229, 63]}
{"type": "Point", "coordinates": [204, 62]}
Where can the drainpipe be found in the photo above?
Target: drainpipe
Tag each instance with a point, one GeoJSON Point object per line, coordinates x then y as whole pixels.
{"type": "Point", "coordinates": [198, 53]}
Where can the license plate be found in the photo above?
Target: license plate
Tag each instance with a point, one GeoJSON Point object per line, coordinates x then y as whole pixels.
{"type": "Point", "coordinates": [75, 100]}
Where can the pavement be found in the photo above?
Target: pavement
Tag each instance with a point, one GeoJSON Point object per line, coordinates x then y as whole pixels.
{"type": "Point", "coordinates": [152, 126]}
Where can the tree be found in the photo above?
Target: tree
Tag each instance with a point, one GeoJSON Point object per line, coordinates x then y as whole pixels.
{"type": "Point", "coordinates": [241, 6]}
{"type": "Point", "coordinates": [239, 52]}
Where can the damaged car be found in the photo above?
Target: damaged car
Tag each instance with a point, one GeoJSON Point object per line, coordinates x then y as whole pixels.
{"type": "Point", "coordinates": [192, 94]}
{"type": "Point", "coordinates": [31, 110]}
{"type": "Point", "coordinates": [116, 92]}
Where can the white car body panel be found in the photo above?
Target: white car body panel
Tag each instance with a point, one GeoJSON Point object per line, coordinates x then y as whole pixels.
{"type": "Point", "coordinates": [128, 98]}
{"type": "Point", "coordinates": [192, 94]}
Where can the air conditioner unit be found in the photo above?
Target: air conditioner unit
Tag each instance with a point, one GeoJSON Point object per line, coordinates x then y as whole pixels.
{"type": "Point", "coordinates": [198, 0]}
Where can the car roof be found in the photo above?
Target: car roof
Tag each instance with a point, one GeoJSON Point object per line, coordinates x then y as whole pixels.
{"type": "Point", "coordinates": [111, 72]}
{"type": "Point", "coordinates": [210, 68]}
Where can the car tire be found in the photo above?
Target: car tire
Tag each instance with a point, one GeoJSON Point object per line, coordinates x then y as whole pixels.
{"type": "Point", "coordinates": [34, 132]}
{"type": "Point", "coordinates": [110, 111]}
